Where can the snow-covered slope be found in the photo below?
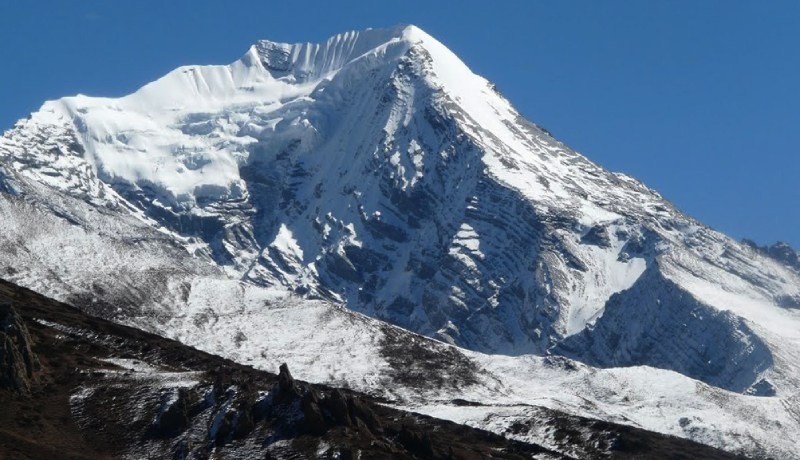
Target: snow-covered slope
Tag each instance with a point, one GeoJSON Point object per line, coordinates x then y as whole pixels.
{"type": "Point", "coordinates": [375, 170]}
{"type": "Point", "coordinates": [505, 394]}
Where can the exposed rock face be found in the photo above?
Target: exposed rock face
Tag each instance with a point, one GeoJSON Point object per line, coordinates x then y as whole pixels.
{"type": "Point", "coordinates": [172, 417]}
{"type": "Point", "coordinates": [780, 251]}
{"type": "Point", "coordinates": [322, 411]}
{"type": "Point", "coordinates": [725, 346]}
{"type": "Point", "coordinates": [286, 385]}
{"type": "Point", "coordinates": [783, 252]}
{"type": "Point", "coordinates": [17, 361]}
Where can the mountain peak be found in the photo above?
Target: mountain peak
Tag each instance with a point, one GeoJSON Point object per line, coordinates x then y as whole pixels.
{"type": "Point", "coordinates": [374, 170]}
{"type": "Point", "coordinates": [306, 61]}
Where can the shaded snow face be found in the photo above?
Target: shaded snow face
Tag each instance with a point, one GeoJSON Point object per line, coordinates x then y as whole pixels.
{"type": "Point", "coordinates": [376, 170]}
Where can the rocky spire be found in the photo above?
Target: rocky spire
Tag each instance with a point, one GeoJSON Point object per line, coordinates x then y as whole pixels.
{"type": "Point", "coordinates": [17, 361]}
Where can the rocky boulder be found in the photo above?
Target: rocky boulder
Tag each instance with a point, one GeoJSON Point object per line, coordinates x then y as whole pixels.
{"type": "Point", "coordinates": [17, 362]}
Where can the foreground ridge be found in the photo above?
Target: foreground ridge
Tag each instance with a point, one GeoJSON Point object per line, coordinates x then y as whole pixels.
{"type": "Point", "coordinates": [108, 391]}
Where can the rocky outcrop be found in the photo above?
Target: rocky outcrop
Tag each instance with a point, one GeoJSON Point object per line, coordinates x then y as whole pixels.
{"type": "Point", "coordinates": [287, 388]}
{"type": "Point", "coordinates": [17, 362]}
{"type": "Point", "coordinates": [780, 251]}
{"type": "Point", "coordinates": [172, 417]}
{"type": "Point", "coordinates": [322, 411]}
{"type": "Point", "coordinates": [644, 325]}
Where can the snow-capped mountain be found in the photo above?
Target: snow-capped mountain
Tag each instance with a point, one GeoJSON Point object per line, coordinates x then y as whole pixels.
{"type": "Point", "coordinates": [234, 207]}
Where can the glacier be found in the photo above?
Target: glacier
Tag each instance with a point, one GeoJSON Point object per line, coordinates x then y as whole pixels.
{"type": "Point", "coordinates": [310, 202]}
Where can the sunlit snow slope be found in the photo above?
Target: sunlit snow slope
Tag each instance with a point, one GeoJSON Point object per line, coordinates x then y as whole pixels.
{"type": "Point", "coordinates": [375, 170]}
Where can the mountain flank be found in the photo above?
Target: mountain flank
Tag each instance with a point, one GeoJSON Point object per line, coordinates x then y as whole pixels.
{"type": "Point", "coordinates": [81, 387]}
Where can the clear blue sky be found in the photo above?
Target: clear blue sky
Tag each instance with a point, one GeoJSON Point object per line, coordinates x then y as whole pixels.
{"type": "Point", "coordinates": [699, 99]}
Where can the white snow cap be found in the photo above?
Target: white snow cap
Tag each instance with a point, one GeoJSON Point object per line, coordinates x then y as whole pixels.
{"type": "Point", "coordinates": [160, 136]}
